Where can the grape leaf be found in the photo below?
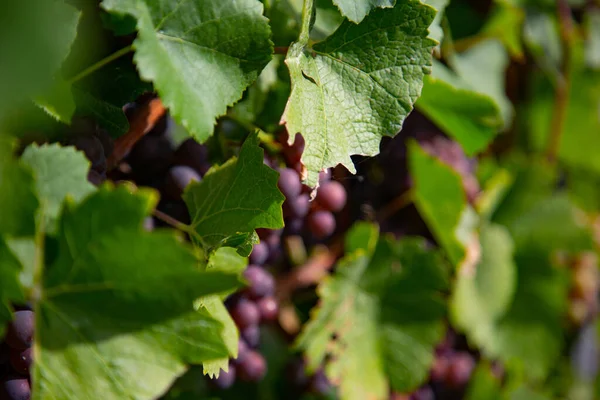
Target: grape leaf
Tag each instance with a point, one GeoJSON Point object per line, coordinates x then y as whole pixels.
{"type": "Point", "coordinates": [379, 316]}
{"type": "Point", "coordinates": [116, 304]}
{"type": "Point", "coordinates": [483, 66]}
{"type": "Point", "coordinates": [38, 35]}
{"type": "Point", "coordinates": [235, 199]}
{"type": "Point", "coordinates": [481, 297]}
{"type": "Point", "coordinates": [345, 99]}
{"type": "Point", "coordinates": [469, 117]}
{"type": "Point", "coordinates": [59, 172]}
{"type": "Point", "coordinates": [484, 385]}
{"type": "Point", "coordinates": [224, 259]}
{"type": "Point", "coordinates": [17, 197]}
{"type": "Point", "coordinates": [57, 101]}
{"type": "Point", "coordinates": [10, 287]}
{"type": "Point", "coordinates": [440, 199]}
{"type": "Point", "coordinates": [200, 55]}
{"type": "Point", "coordinates": [357, 10]}
{"type": "Point", "coordinates": [436, 31]}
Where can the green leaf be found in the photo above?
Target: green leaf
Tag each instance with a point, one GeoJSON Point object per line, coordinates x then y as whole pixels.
{"type": "Point", "coordinates": [60, 172]}
{"type": "Point", "coordinates": [483, 66]}
{"type": "Point", "coordinates": [200, 55]}
{"type": "Point", "coordinates": [116, 304]}
{"type": "Point", "coordinates": [10, 287]}
{"type": "Point", "coordinates": [357, 10]}
{"type": "Point", "coordinates": [17, 197]}
{"type": "Point", "coordinates": [435, 29]}
{"type": "Point", "coordinates": [58, 101]}
{"type": "Point", "coordinates": [469, 117]}
{"type": "Point", "coordinates": [37, 36]}
{"type": "Point", "coordinates": [379, 317]}
{"type": "Point", "coordinates": [235, 199]}
{"type": "Point", "coordinates": [344, 100]}
{"type": "Point", "coordinates": [440, 199]}
{"type": "Point", "coordinates": [484, 385]}
{"type": "Point", "coordinates": [482, 295]}
{"type": "Point", "coordinates": [525, 393]}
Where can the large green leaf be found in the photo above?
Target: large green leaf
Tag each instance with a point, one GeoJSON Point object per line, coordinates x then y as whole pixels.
{"type": "Point", "coordinates": [10, 287]}
{"type": "Point", "coordinates": [357, 10]}
{"type": "Point", "coordinates": [17, 195]}
{"type": "Point", "coordinates": [441, 200]}
{"type": "Point", "coordinates": [482, 295]}
{"type": "Point", "coordinates": [235, 199]}
{"type": "Point", "coordinates": [59, 172]}
{"type": "Point", "coordinates": [36, 38]}
{"type": "Point", "coordinates": [469, 117]}
{"type": "Point", "coordinates": [379, 316]}
{"type": "Point", "coordinates": [200, 54]}
{"type": "Point", "coordinates": [345, 99]}
{"type": "Point", "coordinates": [115, 308]}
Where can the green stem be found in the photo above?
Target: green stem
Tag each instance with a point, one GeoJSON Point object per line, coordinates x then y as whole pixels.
{"type": "Point", "coordinates": [307, 10]}
{"type": "Point", "coordinates": [93, 68]}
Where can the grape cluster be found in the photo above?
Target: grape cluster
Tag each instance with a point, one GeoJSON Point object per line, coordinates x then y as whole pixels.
{"type": "Point", "coordinates": [16, 357]}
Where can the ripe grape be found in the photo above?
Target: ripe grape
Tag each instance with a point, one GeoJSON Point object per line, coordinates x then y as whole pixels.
{"type": "Point", "coordinates": [15, 388]}
{"type": "Point", "coordinates": [294, 226]}
{"type": "Point", "coordinates": [243, 350]}
{"type": "Point", "coordinates": [21, 360]}
{"type": "Point", "coordinates": [460, 369]}
{"type": "Point", "coordinates": [245, 313]}
{"type": "Point", "coordinates": [331, 196]}
{"type": "Point", "coordinates": [193, 155]}
{"type": "Point", "coordinates": [251, 335]}
{"type": "Point", "coordinates": [178, 178]}
{"type": "Point", "coordinates": [19, 334]}
{"type": "Point", "coordinates": [260, 253]}
{"type": "Point", "coordinates": [296, 207]}
{"type": "Point", "coordinates": [149, 158]}
{"type": "Point", "coordinates": [268, 308]}
{"type": "Point", "coordinates": [423, 393]}
{"type": "Point", "coordinates": [226, 379]}
{"type": "Point", "coordinates": [319, 384]}
{"type": "Point", "coordinates": [261, 282]}
{"type": "Point", "coordinates": [321, 224]}
{"type": "Point", "coordinates": [253, 367]}
{"type": "Point", "coordinates": [289, 183]}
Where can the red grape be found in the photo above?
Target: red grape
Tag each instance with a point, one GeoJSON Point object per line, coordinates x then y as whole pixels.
{"type": "Point", "coordinates": [321, 224]}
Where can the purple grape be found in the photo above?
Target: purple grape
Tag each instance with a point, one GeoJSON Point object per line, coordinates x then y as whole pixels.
{"type": "Point", "coordinates": [423, 393]}
{"type": "Point", "coordinates": [150, 157]}
{"type": "Point", "coordinates": [261, 282]}
{"type": "Point", "coordinates": [21, 360]}
{"type": "Point", "coordinates": [268, 308]}
{"type": "Point", "coordinates": [289, 183]}
{"type": "Point", "coordinates": [321, 224]}
{"type": "Point", "coordinates": [439, 369]}
{"type": "Point", "coordinates": [331, 196]}
{"type": "Point", "coordinates": [251, 335]}
{"type": "Point", "coordinates": [325, 176]}
{"type": "Point", "coordinates": [243, 350]}
{"type": "Point", "coordinates": [178, 178]}
{"type": "Point", "coordinates": [294, 226]}
{"type": "Point", "coordinates": [93, 150]}
{"type": "Point", "coordinates": [319, 384]}
{"type": "Point", "coordinates": [19, 334]}
{"type": "Point", "coordinates": [260, 253]}
{"type": "Point", "coordinates": [95, 178]}
{"type": "Point", "coordinates": [226, 379]}
{"type": "Point", "coordinates": [15, 388]}
{"type": "Point", "coordinates": [245, 313]}
{"type": "Point", "coordinates": [193, 155]}
{"type": "Point", "coordinates": [460, 369]}
{"type": "Point", "coordinates": [296, 207]}
{"type": "Point", "coordinates": [253, 367]}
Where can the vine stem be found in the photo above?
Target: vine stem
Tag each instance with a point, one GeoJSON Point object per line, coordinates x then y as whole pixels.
{"type": "Point", "coordinates": [307, 10]}
{"type": "Point", "coordinates": [106, 60]}
{"type": "Point", "coordinates": [174, 222]}
{"type": "Point", "coordinates": [563, 84]}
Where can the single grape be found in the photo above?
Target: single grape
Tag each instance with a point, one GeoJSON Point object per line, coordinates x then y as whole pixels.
{"type": "Point", "coordinates": [423, 393]}
{"type": "Point", "coordinates": [296, 207]}
{"type": "Point", "coordinates": [178, 178]}
{"type": "Point", "coordinates": [260, 253]}
{"type": "Point", "coordinates": [289, 183]}
{"type": "Point", "coordinates": [268, 308]}
{"type": "Point", "coordinates": [253, 367]}
{"type": "Point", "coordinates": [150, 157]}
{"type": "Point", "coordinates": [251, 335]}
{"type": "Point", "coordinates": [226, 379]}
{"type": "Point", "coordinates": [331, 196]}
{"type": "Point", "coordinates": [261, 282]}
{"type": "Point", "coordinates": [15, 388]}
{"type": "Point", "coordinates": [439, 369]}
{"type": "Point", "coordinates": [325, 176]}
{"type": "Point", "coordinates": [294, 226]}
{"type": "Point", "coordinates": [460, 369]}
{"type": "Point", "coordinates": [93, 150]}
{"type": "Point", "coordinates": [245, 313]}
{"type": "Point", "coordinates": [21, 360]}
{"type": "Point", "coordinates": [19, 334]}
{"type": "Point", "coordinates": [243, 350]}
{"type": "Point", "coordinates": [321, 224]}
{"type": "Point", "coordinates": [193, 155]}
{"type": "Point", "coordinates": [319, 384]}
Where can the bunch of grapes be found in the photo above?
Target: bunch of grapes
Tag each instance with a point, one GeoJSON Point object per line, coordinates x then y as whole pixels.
{"type": "Point", "coordinates": [16, 356]}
